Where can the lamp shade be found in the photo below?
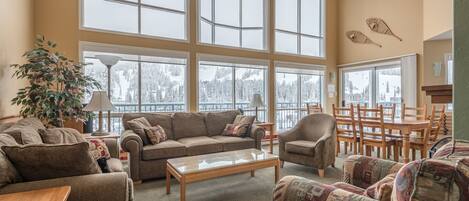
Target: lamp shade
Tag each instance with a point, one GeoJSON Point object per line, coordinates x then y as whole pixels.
{"type": "Point", "coordinates": [257, 101]}
{"type": "Point", "coordinates": [99, 102]}
{"type": "Point", "coordinates": [108, 60]}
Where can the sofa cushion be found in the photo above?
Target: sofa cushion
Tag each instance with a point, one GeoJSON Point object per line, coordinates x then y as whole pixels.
{"type": "Point", "coordinates": [349, 187]}
{"type": "Point", "coordinates": [139, 125]}
{"type": "Point", "coordinates": [24, 134]}
{"type": "Point", "coordinates": [189, 125]}
{"type": "Point", "coordinates": [162, 119]}
{"type": "Point", "coordinates": [38, 162]}
{"type": "Point", "coordinates": [4, 126]}
{"type": "Point", "coordinates": [216, 121]}
{"type": "Point", "coordinates": [163, 150]}
{"type": "Point", "coordinates": [382, 189]}
{"type": "Point", "coordinates": [235, 143]}
{"type": "Point", "coordinates": [8, 173]}
{"type": "Point", "coordinates": [115, 165]}
{"type": "Point", "coordinates": [302, 147]}
{"type": "Point", "coordinates": [201, 145]}
{"type": "Point", "coordinates": [61, 136]}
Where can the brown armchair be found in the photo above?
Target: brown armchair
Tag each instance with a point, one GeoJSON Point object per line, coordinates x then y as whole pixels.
{"type": "Point", "coordinates": [310, 142]}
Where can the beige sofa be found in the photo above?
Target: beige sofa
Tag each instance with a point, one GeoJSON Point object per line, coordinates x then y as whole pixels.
{"type": "Point", "coordinates": [114, 186]}
{"type": "Point", "coordinates": [188, 134]}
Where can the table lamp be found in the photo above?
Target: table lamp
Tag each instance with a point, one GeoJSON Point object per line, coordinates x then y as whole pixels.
{"type": "Point", "coordinates": [99, 102]}
{"type": "Point", "coordinates": [257, 102]}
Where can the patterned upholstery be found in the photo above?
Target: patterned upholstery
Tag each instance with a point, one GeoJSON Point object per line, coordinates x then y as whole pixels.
{"type": "Point", "coordinates": [442, 178]}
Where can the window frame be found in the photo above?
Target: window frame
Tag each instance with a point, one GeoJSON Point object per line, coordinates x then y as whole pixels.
{"type": "Point", "coordinates": [236, 61]}
{"type": "Point", "coordinates": [298, 34]}
{"type": "Point", "coordinates": [139, 5]}
{"type": "Point", "coordinates": [299, 70]}
{"type": "Point", "coordinates": [265, 28]}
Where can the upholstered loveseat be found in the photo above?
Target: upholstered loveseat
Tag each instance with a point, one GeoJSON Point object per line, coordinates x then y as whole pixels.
{"type": "Point", "coordinates": [188, 134]}
{"type": "Point", "coordinates": [445, 177]}
{"type": "Point", "coordinates": [114, 186]}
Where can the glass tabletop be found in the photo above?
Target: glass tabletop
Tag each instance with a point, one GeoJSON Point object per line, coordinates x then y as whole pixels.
{"type": "Point", "coordinates": [205, 162]}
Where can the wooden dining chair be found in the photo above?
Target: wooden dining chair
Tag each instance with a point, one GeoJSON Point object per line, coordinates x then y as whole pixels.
{"type": "Point", "coordinates": [373, 133]}
{"type": "Point", "coordinates": [389, 112]}
{"type": "Point", "coordinates": [346, 128]}
{"type": "Point", "coordinates": [423, 143]}
{"type": "Point", "coordinates": [414, 113]}
{"type": "Point", "coordinates": [314, 108]}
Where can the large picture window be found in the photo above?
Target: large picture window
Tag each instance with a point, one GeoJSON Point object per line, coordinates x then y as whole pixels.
{"type": "Point", "coordinates": [226, 86]}
{"type": "Point", "coordinates": [294, 89]}
{"type": "Point", "coordinates": [237, 23]}
{"type": "Point", "coordinates": [146, 17]}
{"type": "Point", "coordinates": [140, 83]}
{"type": "Point", "coordinates": [299, 27]}
{"type": "Point", "coordinates": [373, 86]}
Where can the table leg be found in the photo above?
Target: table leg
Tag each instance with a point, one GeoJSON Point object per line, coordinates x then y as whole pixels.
{"type": "Point", "coordinates": [277, 171]}
{"type": "Point", "coordinates": [168, 182]}
{"type": "Point", "coordinates": [271, 146]}
{"type": "Point", "coordinates": [406, 144]}
{"type": "Point", "coordinates": [253, 173]}
{"type": "Point", "coordinates": [182, 189]}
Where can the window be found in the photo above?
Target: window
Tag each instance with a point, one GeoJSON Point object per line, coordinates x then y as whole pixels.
{"type": "Point", "coordinates": [294, 89]}
{"type": "Point", "coordinates": [147, 17]}
{"type": "Point", "coordinates": [373, 86]}
{"type": "Point", "coordinates": [226, 86]}
{"type": "Point", "coordinates": [299, 27]}
{"type": "Point", "coordinates": [237, 23]}
{"type": "Point", "coordinates": [449, 74]}
{"type": "Point", "coordinates": [140, 84]}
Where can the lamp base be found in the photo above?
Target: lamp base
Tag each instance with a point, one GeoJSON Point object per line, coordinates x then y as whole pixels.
{"type": "Point", "coordinates": [100, 133]}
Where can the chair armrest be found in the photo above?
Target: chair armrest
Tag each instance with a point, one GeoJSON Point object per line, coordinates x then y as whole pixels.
{"type": "Point", "coordinates": [288, 135]}
{"type": "Point", "coordinates": [131, 142]}
{"type": "Point", "coordinates": [363, 171]}
{"type": "Point", "coordinates": [257, 133]}
{"type": "Point", "coordinates": [302, 189]}
{"type": "Point", "coordinates": [112, 146]}
{"type": "Point", "coordinates": [102, 187]}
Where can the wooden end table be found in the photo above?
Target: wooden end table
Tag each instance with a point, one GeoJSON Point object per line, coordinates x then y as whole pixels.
{"type": "Point", "coordinates": [202, 167]}
{"type": "Point", "coordinates": [269, 127]}
{"type": "Point", "coordinates": [46, 194]}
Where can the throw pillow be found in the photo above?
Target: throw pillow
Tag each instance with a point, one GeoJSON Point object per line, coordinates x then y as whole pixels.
{"type": "Point", "coordinates": [247, 120]}
{"type": "Point", "coordinates": [8, 173]}
{"type": "Point", "coordinates": [138, 125]}
{"type": "Point", "coordinates": [61, 136]}
{"type": "Point", "coordinates": [39, 162]}
{"type": "Point", "coordinates": [98, 149]}
{"type": "Point", "coordinates": [235, 130]}
{"type": "Point", "coordinates": [156, 134]}
{"type": "Point", "coordinates": [24, 134]}
{"type": "Point", "coordinates": [382, 189]}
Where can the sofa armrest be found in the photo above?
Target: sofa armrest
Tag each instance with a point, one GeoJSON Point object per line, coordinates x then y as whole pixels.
{"type": "Point", "coordinates": [102, 187]}
{"type": "Point", "coordinates": [132, 143]}
{"type": "Point", "coordinates": [257, 133]}
{"type": "Point", "coordinates": [363, 171]}
{"type": "Point", "coordinates": [113, 146]}
{"type": "Point", "coordinates": [298, 188]}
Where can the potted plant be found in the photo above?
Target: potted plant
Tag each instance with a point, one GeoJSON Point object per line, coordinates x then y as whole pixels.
{"type": "Point", "coordinates": [57, 85]}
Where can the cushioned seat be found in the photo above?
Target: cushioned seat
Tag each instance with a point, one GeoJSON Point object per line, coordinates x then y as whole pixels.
{"type": "Point", "coordinates": [235, 143]}
{"type": "Point", "coordinates": [166, 149]}
{"type": "Point", "coordinates": [301, 147]}
{"type": "Point", "coordinates": [201, 145]}
{"type": "Point", "coordinates": [115, 165]}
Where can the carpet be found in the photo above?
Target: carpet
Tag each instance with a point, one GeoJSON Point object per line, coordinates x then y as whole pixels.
{"type": "Point", "coordinates": [239, 187]}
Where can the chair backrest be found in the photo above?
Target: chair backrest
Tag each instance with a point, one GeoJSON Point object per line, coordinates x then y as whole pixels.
{"type": "Point", "coordinates": [389, 112]}
{"type": "Point", "coordinates": [345, 120]}
{"type": "Point", "coordinates": [437, 119]}
{"type": "Point", "coordinates": [314, 126]}
{"type": "Point", "coordinates": [313, 108]}
{"type": "Point", "coordinates": [415, 113]}
{"type": "Point", "coordinates": [371, 122]}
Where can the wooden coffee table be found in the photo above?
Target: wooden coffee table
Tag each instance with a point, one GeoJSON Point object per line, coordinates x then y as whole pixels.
{"type": "Point", "coordinates": [202, 167]}
{"type": "Point", "coordinates": [47, 194]}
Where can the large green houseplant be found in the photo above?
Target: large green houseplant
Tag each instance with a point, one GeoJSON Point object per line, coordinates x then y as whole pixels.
{"type": "Point", "coordinates": [57, 85]}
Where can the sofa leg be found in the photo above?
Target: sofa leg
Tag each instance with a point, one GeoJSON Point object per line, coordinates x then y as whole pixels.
{"type": "Point", "coordinates": [137, 182]}
{"type": "Point", "coordinates": [282, 163]}
{"type": "Point", "coordinates": [321, 173]}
